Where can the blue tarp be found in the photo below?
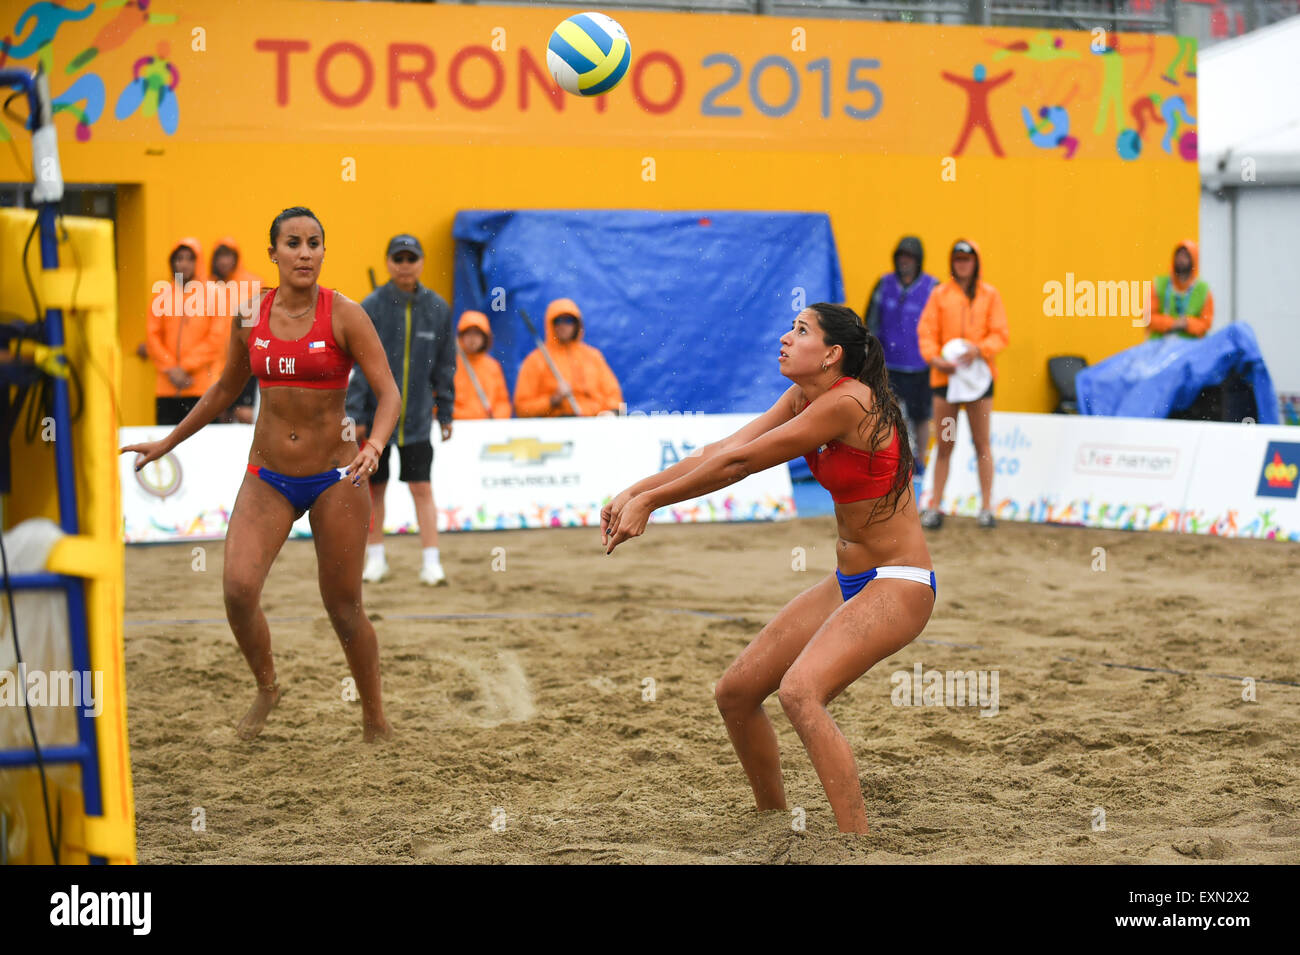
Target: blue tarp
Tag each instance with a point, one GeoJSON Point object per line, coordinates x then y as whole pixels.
{"type": "Point", "coordinates": [687, 307]}
{"type": "Point", "coordinates": [1166, 374]}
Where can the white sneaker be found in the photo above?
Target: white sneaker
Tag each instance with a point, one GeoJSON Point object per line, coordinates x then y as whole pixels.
{"type": "Point", "coordinates": [376, 569]}
{"type": "Point", "coordinates": [432, 575]}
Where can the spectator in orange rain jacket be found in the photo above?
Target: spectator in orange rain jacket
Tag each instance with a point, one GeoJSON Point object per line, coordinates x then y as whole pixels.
{"type": "Point", "coordinates": [227, 266]}
{"type": "Point", "coordinates": [227, 263]}
{"type": "Point", "coordinates": [1181, 302]}
{"type": "Point", "coordinates": [968, 308]}
{"type": "Point", "coordinates": [475, 335]}
{"type": "Point", "coordinates": [589, 380]}
{"type": "Point", "coordinates": [188, 350]}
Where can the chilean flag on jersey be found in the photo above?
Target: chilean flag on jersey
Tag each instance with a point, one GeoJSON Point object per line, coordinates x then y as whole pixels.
{"type": "Point", "coordinates": [306, 362]}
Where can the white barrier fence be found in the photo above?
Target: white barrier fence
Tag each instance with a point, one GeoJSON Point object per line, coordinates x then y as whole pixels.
{"type": "Point", "coordinates": [491, 475]}
{"type": "Point", "coordinates": [1231, 480]}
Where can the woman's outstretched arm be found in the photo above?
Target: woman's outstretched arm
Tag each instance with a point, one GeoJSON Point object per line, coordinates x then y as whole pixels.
{"type": "Point", "coordinates": [781, 411]}
{"type": "Point", "coordinates": [221, 394]}
{"type": "Point", "coordinates": [825, 419]}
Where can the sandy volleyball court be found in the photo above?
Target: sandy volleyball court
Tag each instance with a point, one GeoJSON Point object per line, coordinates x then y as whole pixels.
{"type": "Point", "coordinates": [538, 721]}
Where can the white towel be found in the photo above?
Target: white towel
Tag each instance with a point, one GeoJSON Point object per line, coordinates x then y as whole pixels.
{"type": "Point", "coordinates": [967, 383]}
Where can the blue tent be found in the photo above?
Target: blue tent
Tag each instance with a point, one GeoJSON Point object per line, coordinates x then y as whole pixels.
{"type": "Point", "coordinates": [1165, 375]}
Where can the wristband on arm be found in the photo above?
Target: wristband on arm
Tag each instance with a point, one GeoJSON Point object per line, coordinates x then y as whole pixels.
{"type": "Point", "coordinates": [378, 450]}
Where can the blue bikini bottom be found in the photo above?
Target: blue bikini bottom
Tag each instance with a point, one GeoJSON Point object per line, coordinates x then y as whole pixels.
{"type": "Point", "coordinates": [850, 584]}
{"type": "Point", "coordinates": [300, 491]}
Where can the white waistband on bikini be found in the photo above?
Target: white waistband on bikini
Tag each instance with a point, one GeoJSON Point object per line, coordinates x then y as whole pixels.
{"type": "Point", "coordinates": [899, 572]}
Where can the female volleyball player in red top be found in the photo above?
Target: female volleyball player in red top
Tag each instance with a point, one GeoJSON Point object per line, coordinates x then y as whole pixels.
{"type": "Point", "coordinates": [304, 458]}
{"type": "Point", "coordinates": [842, 417]}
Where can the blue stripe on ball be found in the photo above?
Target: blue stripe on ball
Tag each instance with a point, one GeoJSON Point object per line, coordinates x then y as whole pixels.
{"type": "Point", "coordinates": [611, 81]}
{"type": "Point", "coordinates": [595, 31]}
{"type": "Point", "coordinates": [565, 51]}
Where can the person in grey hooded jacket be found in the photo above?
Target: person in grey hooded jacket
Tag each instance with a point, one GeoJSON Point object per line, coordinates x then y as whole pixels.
{"type": "Point", "coordinates": [415, 326]}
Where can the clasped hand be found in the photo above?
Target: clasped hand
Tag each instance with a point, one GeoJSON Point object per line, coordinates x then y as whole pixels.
{"type": "Point", "coordinates": [623, 518]}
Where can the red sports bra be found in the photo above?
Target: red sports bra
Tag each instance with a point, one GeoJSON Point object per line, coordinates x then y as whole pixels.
{"type": "Point", "coordinates": [851, 474]}
{"type": "Point", "coordinates": [313, 361]}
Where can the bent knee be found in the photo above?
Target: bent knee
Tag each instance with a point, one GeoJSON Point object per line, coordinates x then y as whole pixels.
{"type": "Point", "coordinates": [342, 605]}
{"type": "Point", "coordinates": [798, 696]}
{"type": "Point", "coordinates": [733, 694]}
{"type": "Point", "coordinates": [241, 593]}
{"type": "Point", "coordinates": [345, 610]}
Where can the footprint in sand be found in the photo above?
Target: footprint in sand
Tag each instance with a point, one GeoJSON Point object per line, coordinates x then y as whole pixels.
{"type": "Point", "coordinates": [1211, 848]}
{"type": "Point", "coordinates": [486, 691]}
{"type": "Point", "coordinates": [604, 684]}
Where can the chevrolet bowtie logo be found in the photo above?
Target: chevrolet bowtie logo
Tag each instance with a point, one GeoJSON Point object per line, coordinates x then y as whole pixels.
{"type": "Point", "coordinates": [527, 450]}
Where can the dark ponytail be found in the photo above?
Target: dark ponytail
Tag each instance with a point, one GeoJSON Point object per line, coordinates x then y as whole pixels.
{"type": "Point", "coordinates": [864, 359]}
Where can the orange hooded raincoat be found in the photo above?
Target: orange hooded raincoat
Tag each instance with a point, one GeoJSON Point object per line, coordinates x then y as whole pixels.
{"type": "Point", "coordinates": [242, 273]}
{"type": "Point", "coordinates": [196, 343]}
{"type": "Point", "coordinates": [1197, 324]}
{"type": "Point", "coordinates": [594, 386]}
{"type": "Point", "coordinates": [951, 314]}
{"type": "Point", "coordinates": [488, 371]}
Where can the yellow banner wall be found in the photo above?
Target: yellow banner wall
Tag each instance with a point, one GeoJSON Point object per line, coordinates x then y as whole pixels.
{"type": "Point", "coordinates": [1059, 152]}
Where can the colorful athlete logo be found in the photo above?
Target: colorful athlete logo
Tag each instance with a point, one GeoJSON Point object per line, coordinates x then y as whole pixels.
{"type": "Point", "coordinates": [261, 343]}
{"type": "Point", "coordinates": [152, 90]}
{"type": "Point", "coordinates": [1281, 469]}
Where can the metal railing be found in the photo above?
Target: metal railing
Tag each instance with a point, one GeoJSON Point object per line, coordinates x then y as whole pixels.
{"type": "Point", "coordinates": [1130, 15]}
{"type": "Point", "coordinates": [1208, 20]}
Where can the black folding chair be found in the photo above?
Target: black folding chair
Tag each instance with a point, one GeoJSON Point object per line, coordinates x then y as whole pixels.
{"type": "Point", "coordinates": [1063, 369]}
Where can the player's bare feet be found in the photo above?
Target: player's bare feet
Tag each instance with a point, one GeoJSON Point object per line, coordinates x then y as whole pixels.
{"type": "Point", "coordinates": [267, 697]}
{"type": "Point", "coordinates": [376, 732]}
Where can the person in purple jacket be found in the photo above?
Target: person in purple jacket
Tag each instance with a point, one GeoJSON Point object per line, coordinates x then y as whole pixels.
{"type": "Point", "coordinates": [893, 311]}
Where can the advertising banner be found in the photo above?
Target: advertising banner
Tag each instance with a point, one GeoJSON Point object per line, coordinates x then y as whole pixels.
{"type": "Point", "coordinates": [1246, 481]}
{"type": "Point", "coordinates": [492, 475]}
{"type": "Point", "coordinates": [287, 70]}
{"type": "Point", "coordinates": [1230, 480]}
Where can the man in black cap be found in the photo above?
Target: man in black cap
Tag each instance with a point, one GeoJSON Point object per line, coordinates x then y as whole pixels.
{"type": "Point", "coordinates": [414, 324]}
